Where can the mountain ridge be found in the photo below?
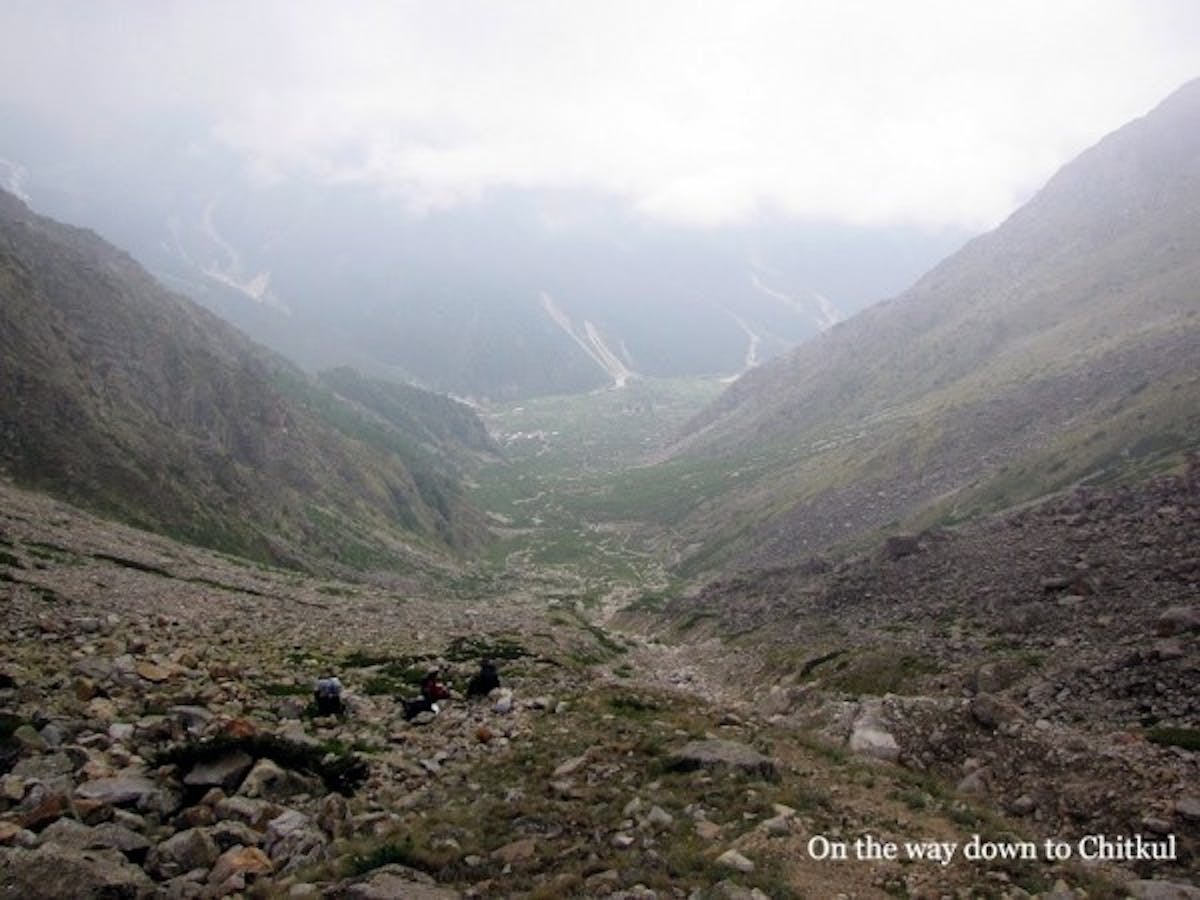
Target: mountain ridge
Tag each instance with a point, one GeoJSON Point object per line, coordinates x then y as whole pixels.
{"type": "Point", "coordinates": [1070, 320]}
{"type": "Point", "coordinates": [134, 401]}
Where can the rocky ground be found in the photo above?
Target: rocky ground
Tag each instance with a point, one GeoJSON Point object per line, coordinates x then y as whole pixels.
{"type": "Point", "coordinates": [1044, 662]}
{"type": "Point", "coordinates": [157, 740]}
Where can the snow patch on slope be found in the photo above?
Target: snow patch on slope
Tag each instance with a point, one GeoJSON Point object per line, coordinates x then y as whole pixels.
{"type": "Point", "coordinates": [825, 314]}
{"type": "Point", "coordinates": [224, 263]}
{"type": "Point", "coordinates": [12, 179]}
{"type": "Point", "coordinates": [590, 341]}
{"type": "Point", "coordinates": [752, 358]}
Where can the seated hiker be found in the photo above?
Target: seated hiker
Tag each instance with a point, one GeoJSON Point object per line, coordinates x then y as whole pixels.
{"type": "Point", "coordinates": [485, 682]}
{"type": "Point", "coordinates": [328, 695]}
{"type": "Point", "coordinates": [432, 691]}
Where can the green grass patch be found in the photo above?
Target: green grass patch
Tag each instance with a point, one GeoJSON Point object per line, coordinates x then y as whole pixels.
{"type": "Point", "coordinates": [1168, 736]}
{"type": "Point", "coordinates": [472, 649]}
{"type": "Point", "coordinates": [880, 672]}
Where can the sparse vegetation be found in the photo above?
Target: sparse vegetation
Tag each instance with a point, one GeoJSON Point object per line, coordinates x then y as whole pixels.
{"type": "Point", "coordinates": [1169, 736]}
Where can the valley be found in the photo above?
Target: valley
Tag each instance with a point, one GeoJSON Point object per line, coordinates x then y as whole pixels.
{"type": "Point", "coordinates": [930, 652]}
{"type": "Point", "coordinates": [924, 578]}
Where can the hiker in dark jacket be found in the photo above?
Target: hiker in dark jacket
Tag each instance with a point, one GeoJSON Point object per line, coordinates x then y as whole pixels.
{"type": "Point", "coordinates": [328, 695]}
{"type": "Point", "coordinates": [485, 682]}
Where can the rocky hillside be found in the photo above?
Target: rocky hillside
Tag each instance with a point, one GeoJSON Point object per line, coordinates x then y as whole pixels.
{"type": "Point", "coordinates": [137, 403]}
{"type": "Point", "coordinates": [1059, 347]}
{"type": "Point", "coordinates": [1043, 659]}
{"type": "Point", "coordinates": [156, 740]}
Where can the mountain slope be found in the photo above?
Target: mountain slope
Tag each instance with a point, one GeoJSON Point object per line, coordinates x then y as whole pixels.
{"type": "Point", "coordinates": [1062, 345]}
{"type": "Point", "coordinates": [135, 402]}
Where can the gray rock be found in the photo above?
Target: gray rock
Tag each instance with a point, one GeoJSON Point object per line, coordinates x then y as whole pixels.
{"type": "Point", "coordinates": [183, 852]}
{"type": "Point", "coordinates": [1177, 620]}
{"type": "Point", "coordinates": [659, 819]}
{"type": "Point", "coordinates": [192, 718]}
{"type": "Point", "coordinates": [973, 784]}
{"type": "Point", "coordinates": [869, 735]}
{"type": "Point", "coordinates": [229, 833]}
{"type": "Point", "coordinates": [777, 825]}
{"type": "Point", "coordinates": [128, 790]}
{"type": "Point", "coordinates": [729, 890]}
{"type": "Point", "coordinates": [1156, 825]}
{"type": "Point", "coordinates": [118, 837]}
{"type": "Point", "coordinates": [1162, 890]}
{"type": "Point", "coordinates": [716, 754]}
{"type": "Point", "coordinates": [45, 767]}
{"type": "Point", "coordinates": [286, 823]}
{"type": "Point", "coordinates": [1188, 808]}
{"type": "Point", "coordinates": [734, 860]}
{"type": "Point", "coordinates": [52, 734]}
{"type": "Point", "coordinates": [255, 813]}
{"type": "Point", "coordinates": [67, 833]}
{"type": "Point", "coordinates": [52, 872]}
{"type": "Point", "coordinates": [995, 676]}
{"type": "Point", "coordinates": [570, 766]}
{"type": "Point", "coordinates": [392, 882]}
{"type": "Point", "coordinates": [1168, 649]}
{"type": "Point", "coordinates": [993, 712]}
{"type": "Point", "coordinates": [298, 849]}
{"type": "Point", "coordinates": [1023, 805]}
{"type": "Point", "coordinates": [225, 772]}
{"type": "Point", "coordinates": [269, 781]}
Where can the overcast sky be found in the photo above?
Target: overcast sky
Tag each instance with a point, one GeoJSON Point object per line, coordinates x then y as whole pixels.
{"type": "Point", "coordinates": [933, 112]}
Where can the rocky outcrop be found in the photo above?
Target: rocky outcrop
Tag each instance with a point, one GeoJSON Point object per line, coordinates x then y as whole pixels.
{"type": "Point", "coordinates": [717, 754]}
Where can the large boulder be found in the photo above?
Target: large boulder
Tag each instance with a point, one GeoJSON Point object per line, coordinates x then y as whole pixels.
{"type": "Point", "coordinates": [129, 790]}
{"type": "Point", "coordinates": [183, 852]}
{"type": "Point", "coordinates": [392, 882]}
{"type": "Point", "coordinates": [270, 781]}
{"type": "Point", "coordinates": [293, 842]}
{"type": "Point", "coordinates": [869, 735]}
{"type": "Point", "coordinates": [52, 872]}
{"type": "Point", "coordinates": [225, 772]}
{"type": "Point", "coordinates": [994, 712]}
{"type": "Point", "coordinates": [1162, 890]}
{"type": "Point", "coordinates": [1178, 620]}
{"type": "Point", "coordinates": [716, 754]}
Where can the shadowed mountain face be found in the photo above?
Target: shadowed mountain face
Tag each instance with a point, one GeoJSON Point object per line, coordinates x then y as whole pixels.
{"type": "Point", "coordinates": [1061, 346]}
{"type": "Point", "coordinates": [130, 400]}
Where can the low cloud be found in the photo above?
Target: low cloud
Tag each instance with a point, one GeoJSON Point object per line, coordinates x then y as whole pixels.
{"type": "Point", "coordinates": [702, 113]}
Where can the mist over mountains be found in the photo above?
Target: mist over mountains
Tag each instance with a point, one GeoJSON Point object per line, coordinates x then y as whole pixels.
{"type": "Point", "coordinates": [522, 292]}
